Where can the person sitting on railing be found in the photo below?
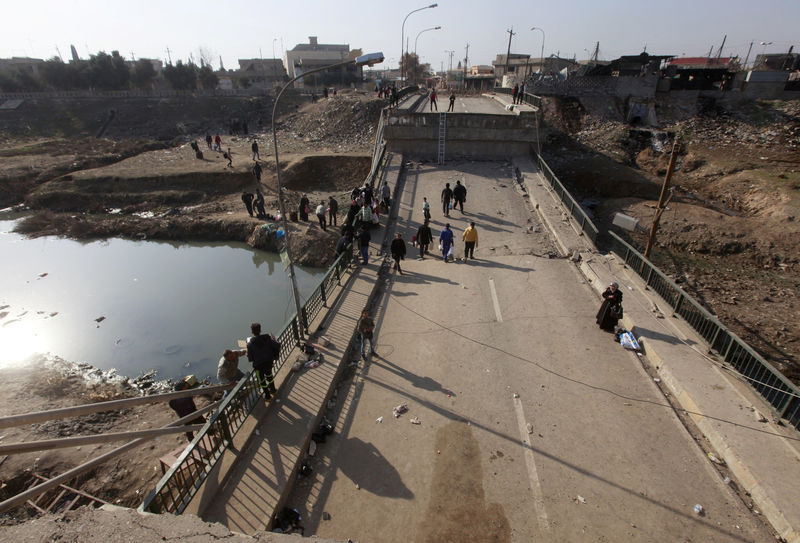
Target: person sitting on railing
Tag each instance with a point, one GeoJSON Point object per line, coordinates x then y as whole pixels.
{"type": "Point", "coordinates": [262, 351]}
{"type": "Point", "coordinates": [228, 368]}
{"type": "Point", "coordinates": [184, 407]}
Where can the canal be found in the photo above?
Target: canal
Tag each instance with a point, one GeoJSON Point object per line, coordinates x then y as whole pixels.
{"type": "Point", "coordinates": [136, 306]}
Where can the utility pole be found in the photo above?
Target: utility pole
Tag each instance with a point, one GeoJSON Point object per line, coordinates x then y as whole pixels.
{"type": "Point", "coordinates": [663, 200]}
{"type": "Point", "coordinates": [169, 58]}
{"type": "Point", "coordinates": [748, 56]}
{"type": "Point", "coordinates": [133, 58]}
{"type": "Point", "coordinates": [451, 53]}
{"type": "Point", "coordinates": [508, 52]}
{"type": "Point", "coordinates": [596, 52]}
{"type": "Point", "coordinates": [719, 53]}
{"type": "Point", "coordinates": [466, 61]}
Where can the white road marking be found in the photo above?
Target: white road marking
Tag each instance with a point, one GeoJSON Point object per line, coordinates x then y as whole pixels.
{"type": "Point", "coordinates": [495, 301]}
{"type": "Point", "coordinates": [530, 463]}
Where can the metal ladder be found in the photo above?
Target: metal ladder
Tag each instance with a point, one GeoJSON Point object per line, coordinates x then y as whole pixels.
{"type": "Point", "coordinates": [442, 136]}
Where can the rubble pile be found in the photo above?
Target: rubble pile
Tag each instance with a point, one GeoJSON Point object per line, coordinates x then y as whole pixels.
{"type": "Point", "coordinates": [345, 123]}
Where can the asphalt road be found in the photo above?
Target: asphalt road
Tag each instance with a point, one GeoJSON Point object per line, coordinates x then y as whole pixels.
{"type": "Point", "coordinates": [534, 424]}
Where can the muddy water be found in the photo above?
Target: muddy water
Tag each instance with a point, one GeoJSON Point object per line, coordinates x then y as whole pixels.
{"type": "Point", "coordinates": [137, 305]}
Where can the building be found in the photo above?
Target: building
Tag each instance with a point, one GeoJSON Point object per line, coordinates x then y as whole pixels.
{"type": "Point", "coordinates": [700, 73]}
{"type": "Point", "coordinates": [783, 62]}
{"type": "Point", "coordinates": [509, 69]}
{"type": "Point", "coordinates": [307, 56]}
{"type": "Point", "coordinates": [261, 72]}
{"type": "Point", "coordinates": [21, 64]}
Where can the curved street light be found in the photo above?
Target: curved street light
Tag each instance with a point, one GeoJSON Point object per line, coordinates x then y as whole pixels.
{"type": "Point", "coordinates": [420, 32]}
{"type": "Point", "coordinates": [541, 58]}
{"type": "Point", "coordinates": [369, 60]}
{"type": "Point", "coordinates": [403, 37]}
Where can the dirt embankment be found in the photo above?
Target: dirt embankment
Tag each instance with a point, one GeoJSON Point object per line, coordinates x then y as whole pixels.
{"type": "Point", "coordinates": [50, 384]}
{"type": "Point", "coordinates": [170, 194]}
{"type": "Point", "coordinates": [732, 231]}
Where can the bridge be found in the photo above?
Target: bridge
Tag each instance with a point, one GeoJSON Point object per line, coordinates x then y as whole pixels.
{"type": "Point", "coordinates": [525, 421]}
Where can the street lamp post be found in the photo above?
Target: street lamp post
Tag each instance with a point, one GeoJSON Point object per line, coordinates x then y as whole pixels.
{"type": "Point", "coordinates": [541, 58]}
{"type": "Point", "coordinates": [417, 38]}
{"type": "Point", "coordinates": [403, 36]}
{"type": "Point", "coordinates": [369, 60]}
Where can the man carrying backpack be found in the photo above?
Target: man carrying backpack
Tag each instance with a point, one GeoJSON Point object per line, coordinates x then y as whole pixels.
{"type": "Point", "coordinates": [262, 351]}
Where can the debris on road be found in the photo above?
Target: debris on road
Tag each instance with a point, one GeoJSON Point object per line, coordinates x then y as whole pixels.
{"type": "Point", "coordinates": [699, 510]}
{"type": "Point", "coordinates": [379, 419]}
{"type": "Point", "coordinates": [579, 499]}
{"type": "Point", "coordinates": [415, 420]}
{"type": "Point", "coordinates": [399, 410]}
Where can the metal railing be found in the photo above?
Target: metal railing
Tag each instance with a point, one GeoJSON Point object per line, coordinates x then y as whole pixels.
{"type": "Point", "coordinates": [183, 480]}
{"type": "Point", "coordinates": [780, 393]}
{"type": "Point", "coordinates": [528, 98]}
{"type": "Point", "coordinates": [587, 226]}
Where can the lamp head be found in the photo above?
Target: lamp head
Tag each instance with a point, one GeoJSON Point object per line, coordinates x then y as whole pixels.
{"type": "Point", "coordinates": [437, 27]}
{"type": "Point", "coordinates": [433, 5]}
{"type": "Point", "coordinates": [370, 59]}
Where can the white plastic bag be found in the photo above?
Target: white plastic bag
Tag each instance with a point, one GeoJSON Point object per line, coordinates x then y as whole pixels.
{"type": "Point", "coordinates": [450, 253]}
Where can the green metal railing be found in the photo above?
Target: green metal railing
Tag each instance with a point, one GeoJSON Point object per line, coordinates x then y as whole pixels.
{"type": "Point", "coordinates": [587, 226]}
{"type": "Point", "coordinates": [781, 394]}
{"type": "Point", "coordinates": [183, 480]}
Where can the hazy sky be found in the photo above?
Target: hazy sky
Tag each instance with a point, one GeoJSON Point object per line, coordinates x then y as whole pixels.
{"type": "Point", "coordinates": [236, 29]}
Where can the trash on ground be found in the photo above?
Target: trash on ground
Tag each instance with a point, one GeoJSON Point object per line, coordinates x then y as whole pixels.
{"type": "Point", "coordinates": [529, 428]}
{"type": "Point", "coordinates": [379, 419]}
{"type": "Point", "coordinates": [629, 342]}
{"type": "Point", "coordinates": [312, 448]}
{"type": "Point", "coordinates": [579, 499]}
{"type": "Point", "coordinates": [326, 515]}
{"type": "Point", "coordinates": [698, 510]}
{"type": "Point", "coordinates": [399, 410]}
{"type": "Point", "coordinates": [715, 459]}
{"type": "Point", "coordinates": [416, 420]}
{"type": "Point", "coordinates": [656, 379]}
{"type": "Point", "coordinates": [516, 395]}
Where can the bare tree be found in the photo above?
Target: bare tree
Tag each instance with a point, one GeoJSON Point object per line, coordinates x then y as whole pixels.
{"type": "Point", "coordinates": [206, 55]}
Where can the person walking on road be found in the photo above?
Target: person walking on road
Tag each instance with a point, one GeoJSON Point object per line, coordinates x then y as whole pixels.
{"type": "Point", "coordinates": [398, 250]}
{"type": "Point", "coordinates": [452, 105]}
{"type": "Point", "coordinates": [433, 100]}
{"type": "Point", "coordinates": [254, 147]}
{"type": "Point", "coordinates": [366, 327]}
{"type": "Point", "coordinates": [460, 196]}
{"type": "Point", "coordinates": [426, 209]}
{"type": "Point", "coordinates": [208, 140]}
{"type": "Point", "coordinates": [521, 93]}
{"type": "Point", "coordinates": [424, 238]}
{"type": "Point", "coordinates": [262, 351]}
{"type": "Point", "coordinates": [363, 243]}
{"type": "Point", "coordinates": [333, 209]}
{"type": "Point", "coordinates": [470, 238]}
{"type": "Point", "coordinates": [446, 241]}
{"type": "Point", "coordinates": [447, 195]}
{"type": "Point", "coordinates": [217, 143]}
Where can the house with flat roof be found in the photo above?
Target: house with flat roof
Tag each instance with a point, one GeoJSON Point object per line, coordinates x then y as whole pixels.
{"type": "Point", "coordinates": [308, 56]}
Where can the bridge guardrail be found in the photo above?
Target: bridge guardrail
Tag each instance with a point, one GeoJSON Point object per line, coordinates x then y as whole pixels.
{"type": "Point", "coordinates": [780, 393]}
{"type": "Point", "coordinates": [587, 226]}
{"type": "Point", "coordinates": [528, 98]}
{"type": "Point", "coordinates": [182, 482]}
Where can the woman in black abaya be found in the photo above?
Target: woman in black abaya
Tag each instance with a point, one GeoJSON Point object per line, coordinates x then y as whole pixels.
{"type": "Point", "coordinates": [611, 309]}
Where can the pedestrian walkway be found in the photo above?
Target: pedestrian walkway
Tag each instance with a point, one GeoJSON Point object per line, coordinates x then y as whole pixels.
{"type": "Point", "coordinates": [761, 455]}
{"type": "Point", "coordinates": [256, 487]}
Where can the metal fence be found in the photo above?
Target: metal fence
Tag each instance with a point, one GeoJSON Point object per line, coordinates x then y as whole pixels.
{"type": "Point", "coordinates": [781, 394]}
{"type": "Point", "coordinates": [587, 226]}
{"type": "Point", "coordinates": [528, 98]}
{"type": "Point", "coordinates": [180, 484]}
{"type": "Point", "coordinates": [182, 481]}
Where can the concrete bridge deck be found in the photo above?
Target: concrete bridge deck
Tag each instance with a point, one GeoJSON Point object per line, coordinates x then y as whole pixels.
{"type": "Point", "coordinates": [534, 424]}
